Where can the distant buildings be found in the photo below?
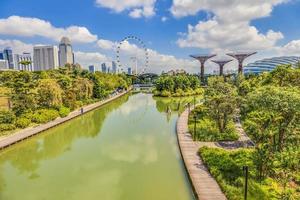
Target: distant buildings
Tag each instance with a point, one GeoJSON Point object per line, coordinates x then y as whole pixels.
{"type": "Point", "coordinates": [269, 64]}
{"type": "Point", "coordinates": [65, 53]}
{"type": "Point", "coordinates": [3, 65]}
{"type": "Point", "coordinates": [175, 72]}
{"type": "Point", "coordinates": [103, 68]}
{"type": "Point", "coordinates": [45, 58]}
{"type": "Point", "coordinates": [114, 67]}
{"type": "Point", "coordinates": [8, 55]}
{"type": "Point", "coordinates": [1, 56]}
{"type": "Point", "coordinates": [24, 57]}
{"type": "Point", "coordinates": [129, 71]}
{"type": "Point", "coordinates": [92, 69]}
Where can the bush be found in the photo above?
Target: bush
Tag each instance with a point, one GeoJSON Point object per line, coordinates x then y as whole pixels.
{"type": "Point", "coordinates": [7, 127]}
{"type": "Point", "coordinates": [226, 167]}
{"type": "Point", "coordinates": [63, 111]}
{"type": "Point", "coordinates": [208, 131]}
{"type": "Point", "coordinates": [44, 115]}
{"type": "Point", "coordinates": [7, 117]}
{"type": "Point", "coordinates": [165, 93]}
{"type": "Point", "coordinates": [23, 122]}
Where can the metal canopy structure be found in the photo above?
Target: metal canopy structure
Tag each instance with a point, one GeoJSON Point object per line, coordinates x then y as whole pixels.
{"type": "Point", "coordinates": [221, 64]}
{"type": "Point", "coordinates": [202, 59]}
{"type": "Point", "coordinates": [241, 57]}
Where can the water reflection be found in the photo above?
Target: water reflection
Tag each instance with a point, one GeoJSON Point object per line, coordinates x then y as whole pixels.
{"type": "Point", "coordinates": [124, 150]}
{"type": "Point", "coordinates": [26, 156]}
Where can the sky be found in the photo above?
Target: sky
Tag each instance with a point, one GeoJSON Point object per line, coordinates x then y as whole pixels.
{"type": "Point", "coordinates": [171, 29]}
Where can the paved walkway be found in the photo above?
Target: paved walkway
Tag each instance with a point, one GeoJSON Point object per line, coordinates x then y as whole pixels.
{"type": "Point", "coordinates": [29, 132]}
{"type": "Point", "coordinates": [204, 185]}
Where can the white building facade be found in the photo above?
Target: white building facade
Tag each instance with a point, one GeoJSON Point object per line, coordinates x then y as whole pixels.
{"type": "Point", "coordinates": [3, 65]}
{"type": "Point", "coordinates": [24, 57]}
{"type": "Point", "coordinates": [45, 58]}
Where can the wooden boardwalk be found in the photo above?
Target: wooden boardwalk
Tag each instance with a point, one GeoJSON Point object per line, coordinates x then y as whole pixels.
{"type": "Point", "coordinates": [204, 185]}
{"type": "Point", "coordinates": [29, 132]}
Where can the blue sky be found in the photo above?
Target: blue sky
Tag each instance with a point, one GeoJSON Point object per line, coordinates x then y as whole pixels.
{"type": "Point", "coordinates": [267, 26]}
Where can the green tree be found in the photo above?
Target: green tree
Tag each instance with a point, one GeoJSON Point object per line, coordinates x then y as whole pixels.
{"type": "Point", "coordinates": [221, 101]}
{"type": "Point", "coordinates": [50, 93]}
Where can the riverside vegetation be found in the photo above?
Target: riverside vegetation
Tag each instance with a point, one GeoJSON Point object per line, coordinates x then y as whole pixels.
{"type": "Point", "coordinates": [39, 97]}
{"type": "Point", "coordinates": [269, 106]}
{"type": "Point", "coordinates": [177, 86]}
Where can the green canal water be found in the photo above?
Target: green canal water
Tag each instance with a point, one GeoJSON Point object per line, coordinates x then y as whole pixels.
{"type": "Point", "coordinates": [125, 150]}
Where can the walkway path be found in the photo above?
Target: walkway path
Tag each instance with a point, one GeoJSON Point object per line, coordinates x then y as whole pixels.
{"type": "Point", "coordinates": [29, 132]}
{"type": "Point", "coordinates": [204, 185]}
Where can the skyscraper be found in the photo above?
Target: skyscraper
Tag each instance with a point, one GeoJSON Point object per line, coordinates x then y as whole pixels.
{"type": "Point", "coordinates": [24, 57]}
{"type": "Point", "coordinates": [1, 56]}
{"type": "Point", "coordinates": [129, 72]}
{"type": "Point", "coordinates": [114, 67]}
{"type": "Point", "coordinates": [103, 68]}
{"type": "Point", "coordinates": [45, 57]}
{"type": "Point", "coordinates": [65, 53]}
{"type": "Point", "coordinates": [8, 55]}
{"type": "Point", "coordinates": [92, 69]}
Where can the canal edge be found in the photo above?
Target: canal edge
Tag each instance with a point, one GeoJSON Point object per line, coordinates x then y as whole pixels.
{"type": "Point", "coordinates": [204, 186]}
{"type": "Point", "coordinates": [32, 131]}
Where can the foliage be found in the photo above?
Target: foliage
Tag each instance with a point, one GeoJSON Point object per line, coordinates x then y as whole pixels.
{"type": "Point", "coordinates": [177, 86]}
{"type": "Point", "coordinates": [220, 98]}
{"type": "Point", "coordinates": [63, 89]}
{"type": "Point", "coordinates": [23, 122]}
{"type": "Point", "coordinates": [7, 127]}
{"type": "Point", "coordinates": [50, 93]}
{"type": "Point", "coordinates": [7, 117]}
{"type": "Point", "coordinates": [63, 111]}
{"type": "Point", "coordinates": [226, 167]}
{"type": "Point", "coordinates": [44, 115]}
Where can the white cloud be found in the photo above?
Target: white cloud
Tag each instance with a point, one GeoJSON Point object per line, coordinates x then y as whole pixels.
{"type": "Point", "coordinates": [106, 44]}
{"type": "Point", "coordinates": [90, 58]}
{"type": "Point", "coordinates": [292, 48]}
{"type": "Point", "coordinates": [30, 27]}
{"type": "Point", "coordinates": [17, 46]}
{"type": "Point", "coordinates": [229, 28]}
{"type": "Point", "coordinates": [136, 8]}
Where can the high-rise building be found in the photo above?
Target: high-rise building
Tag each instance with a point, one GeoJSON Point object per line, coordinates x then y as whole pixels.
{"type": "Point", "coordinates": [24, 57]}
{"type": "Point", "coordinates": [65, 54]}
{"type": "Point", "coordinates": [1, 56]}
{"type": "Point", "coordinates": [45, 57]}
{"type": "Point", "coordinates": [103, 68]}
{"type": "Point", "coordinates": [129, 72]}
{"type": "Point", "coordinates": [8, 55]}
{"type": "Point", "coordinates": [114, 67]}
{"type": "Point", "coordinates": [92, 69]}
{"type": "Point", "coordinates": [3, 65]}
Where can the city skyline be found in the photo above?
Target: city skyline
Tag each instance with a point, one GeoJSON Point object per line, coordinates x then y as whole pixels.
{"type": "Point", "coordinates": [171, 30]}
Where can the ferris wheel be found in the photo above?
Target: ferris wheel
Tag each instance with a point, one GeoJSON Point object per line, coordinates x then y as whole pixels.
{"type": "Point", "coordinates": [141, 60]}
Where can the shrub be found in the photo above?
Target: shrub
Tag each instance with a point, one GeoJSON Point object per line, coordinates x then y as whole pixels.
{"type": "Point", "coordinates": [7, 127]}
{"type": "Point", "coordinates": [44, 115]}
{"type": "Point", "coordinates": [7, 117]}
{"type": "Point", "coordinates": [165, 93]}
{"type": "Point", "coordinates": [64, 111]}
{"type": "Point", "coordinates": [23, 122]}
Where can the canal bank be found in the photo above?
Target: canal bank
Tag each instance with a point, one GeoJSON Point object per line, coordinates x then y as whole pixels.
{"type": "Point", "coordinates": [31, 131]}
{"type": "Point", "coordinates": [204, 185]}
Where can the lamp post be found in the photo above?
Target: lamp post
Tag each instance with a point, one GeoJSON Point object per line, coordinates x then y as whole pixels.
{"type": "Point", "coordinates": [246, 171]}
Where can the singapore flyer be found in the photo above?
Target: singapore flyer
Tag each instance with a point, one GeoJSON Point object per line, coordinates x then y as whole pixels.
{"type": "Point", "coordinates": [132, 55]}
